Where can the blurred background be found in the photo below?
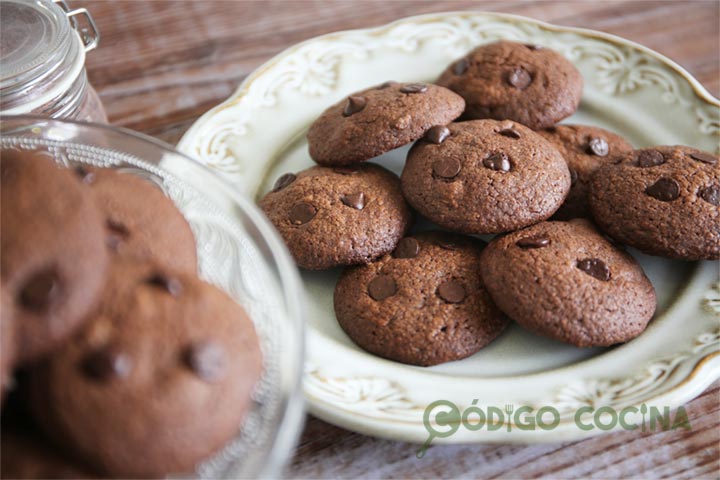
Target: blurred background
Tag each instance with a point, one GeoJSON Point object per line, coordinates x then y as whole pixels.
{"type": "Point", "coordinates": [161, 64]}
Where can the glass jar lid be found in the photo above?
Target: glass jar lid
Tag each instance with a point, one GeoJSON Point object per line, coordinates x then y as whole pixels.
{"type": "Point", "coordinates": [41, 52]}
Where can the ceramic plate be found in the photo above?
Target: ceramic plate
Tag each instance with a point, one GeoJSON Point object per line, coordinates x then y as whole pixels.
{"type": "Point", "coordinates": [259, 133]}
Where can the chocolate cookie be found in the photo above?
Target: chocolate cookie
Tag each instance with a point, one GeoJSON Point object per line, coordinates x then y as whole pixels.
{"type": "Point", "coordinates": [54, 258]}
{"type": "Point", "coordinates": [29, 456]}
{"type": "Point", "coordinates": [422, 304]}
{"type": "Point", "coordinates": [141, 222]}
{"type": "Point", "coordinates": [530, 84]}
{"type": "Point", "coordinates": [344, 216]}
{"type": "Point", "coordinates": [485, 176]}
{"type": "Point", "coordinates": [664, 201]}
{"type": "Point", "coordinates": [7, 341]}
{"type": "Point", "coordinates": [376, 120]}
{"type": "Point", "coordinates": [159, 379]}
{"type": "Point", "coordinates": [564, 280]}
{"type": "Point", "coordinates": [585, 149]}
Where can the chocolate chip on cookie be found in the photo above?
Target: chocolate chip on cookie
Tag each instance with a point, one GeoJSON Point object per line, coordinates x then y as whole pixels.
{"type": "Point", "coordinates": [159, 234]}
{"type": "Point", "coordinates": [155, 382]}
{"type": "Point", "coordinates": [564, 280]}
{"type": "Point", "coordinates": [663, 201]}
{"type": "Point", "coordinates": [53, 250]}
{"type": "Point", "coordinates": [423, 304]}
{"type": "Point", "coordinates": [330, 217]}
{"type": "Point", "coordinates": [376, 120]}
{"type": "Point", "coordinates": [585, 149]}
{"type": "Point", "coordinates": [537, 87]}
{"type": "Point", "coordinates": [487, 176]}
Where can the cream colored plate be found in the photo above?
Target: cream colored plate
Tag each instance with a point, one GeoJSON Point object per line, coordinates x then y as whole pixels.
{"type": "Point", "coordinates": [258, 134]}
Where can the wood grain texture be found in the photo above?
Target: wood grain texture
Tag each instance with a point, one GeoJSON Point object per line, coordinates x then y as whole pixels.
{"type": "Point", "coordinates": [161, 64]}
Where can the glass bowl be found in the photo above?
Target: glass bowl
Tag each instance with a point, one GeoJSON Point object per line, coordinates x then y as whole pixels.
{"type": "Point", "coordinates": [238, 250]}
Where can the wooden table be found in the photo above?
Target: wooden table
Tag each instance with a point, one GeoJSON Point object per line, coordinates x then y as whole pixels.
{"type": "Point", "coordinates": [161, 64]}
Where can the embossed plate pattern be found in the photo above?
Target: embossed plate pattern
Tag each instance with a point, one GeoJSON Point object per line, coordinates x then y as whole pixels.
{"type": "Point", "coordinates": [258, 134]}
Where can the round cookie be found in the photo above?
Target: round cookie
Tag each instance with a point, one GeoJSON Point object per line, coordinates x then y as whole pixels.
{"type": "Point", "coordinates": [485, 176]}
{"type": "Point", "coordinates": [533, 85]}
{"type": "Point", "coordinates": [343, 216]}
{"type": "Point", "coordinates": [376, 120]}
{"type": "Point", "coordinates": [422, 304]}
{"type": "Point", "coordinates": [159, 379]}
{"type": "Point", "coordinates": [664, 201]}
{"type": "Point", "coordinates": [29, 456]}
{"type": "Point", "coordinates": [53, 250]}
{"type": "Point", "coordinates": [566, 281]}
{"type": "Point", "coordinates": [585, 149]}
{"type": "Point", "coordinates": [141, 222]}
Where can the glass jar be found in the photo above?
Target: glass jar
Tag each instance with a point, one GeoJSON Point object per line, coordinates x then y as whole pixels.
{"type": "Point", "coordinates": [42, 60]}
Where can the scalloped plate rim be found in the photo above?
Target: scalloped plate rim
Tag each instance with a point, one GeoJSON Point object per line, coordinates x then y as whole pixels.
{"type": "Point", "coordinates": [242, 89]}
{"type": "Point", "coordinates": [705, 368]}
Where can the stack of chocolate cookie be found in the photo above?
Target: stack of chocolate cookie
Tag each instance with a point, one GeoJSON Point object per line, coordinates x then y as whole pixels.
{"type": "Point", "coordinates": [117, 360]}
{"type": "Point", "coordinates": [489, 158]}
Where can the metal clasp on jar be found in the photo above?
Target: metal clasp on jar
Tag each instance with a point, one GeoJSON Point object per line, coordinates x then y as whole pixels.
{"type": "Point", "coordinates": [83, 23]}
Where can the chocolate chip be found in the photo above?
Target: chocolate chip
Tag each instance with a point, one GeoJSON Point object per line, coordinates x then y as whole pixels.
{"type": "Point", "coordinates": [649, 158]}
{"type": "Point", "coordinates": [86, 176]}
{"type": "Point", "coordinates": [284, 181]}
{"type": "Point", "coordinates": [40, 291]}
{"type": "Point", "coordinates": [382, 287]}
{"type": "Point", "coordinates": [498, 162]}
{"type": "Point", "coordinates": [451, 291]}
{"type": "Point", "coordinates": [106, 364]}
{"type": "Point", "coordinates": [354, 200]}
{"type": "Point", "coordinates": [301, 213]}
{"type": "Point", "coordinates": [665, 189]}
{"type": "Point", "coordinates": [408, 247]}
{"type": "Point", "coordinates": [437, 134]}
{"type": "Point", "coordinates": [533, 242]}
{"type": "Point", "coordinates": [351, 170]}
{"type": "Point", "coordinates": [448, 245]}
{"type": "Point", "coordinates": [530, 46]}
{"type": "Point", "coordinates": [446, 168]}
{"type": "Point", "coordinates": [354, 105]}
{"type": "Point", "coordinates": [116, 227]}
{"type": "Point", "coordinates": [595, 268]}
{"type": "Point", "coordinates": [414, 88]}
{"type": "Point", "coordinates": [704, 157]}
{"type": "Point", "coordinates": [206, 359]}
{"type": "Point", "coordinates": [461, 66]}
{"type": "Point", "coordinates": [385, 85]}
{"type": "Point", "coordinates": [711, 195]}
{"type": "Point", "coordinates": [509, 132]}
{"type": "Point", "coordinates": [519, 78]}
{"type": "Point", "coordinates": [118, 233]}
{"type": "Point", "coordinates": [573, 176]}
{"type": "Point", "coordinates": [171, 285]}
{"type": "Point", "coordinates": [598, 146]}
